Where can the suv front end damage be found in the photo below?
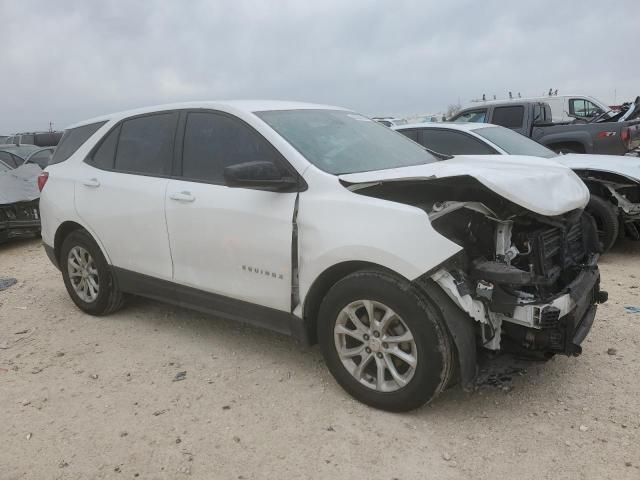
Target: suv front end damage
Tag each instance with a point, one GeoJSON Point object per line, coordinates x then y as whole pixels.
{"type": "Point", "coordinates": [533, 288]}
{"type": "Point", "coordinates": [527, 278]}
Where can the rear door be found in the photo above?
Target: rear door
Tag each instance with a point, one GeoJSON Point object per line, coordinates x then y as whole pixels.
{"type": "Point", "coordinates": [234, 242]}
{"type": "Point", "coordinates": [120, 193]}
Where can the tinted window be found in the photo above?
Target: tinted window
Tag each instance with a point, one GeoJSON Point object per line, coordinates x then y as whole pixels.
{"type": "Point", "coordinates": [72, 140]}
{"type": "Point", "coordinates": [105, 155]}
{"type": "Point", "coordinates": [412, 134]}
{"type": "Point", "coordinates": [510, 117]}
{"type": "Point", "coordinates": [9, 159]}
{"type": "Point", "coordinates": [146, 144]}
{"type": "Point", "coordinates": [513, 143]}
{"type": "Point", "coordinates": [214, 141]}
{"type": "Point", "coordinates": [451, 142]}
{"type": "Point", "coordinates": [474, 116]}
{"type": "Point", "coordinates": [339, 141]}
{"type": "Point", "coordinates": [41, 158]}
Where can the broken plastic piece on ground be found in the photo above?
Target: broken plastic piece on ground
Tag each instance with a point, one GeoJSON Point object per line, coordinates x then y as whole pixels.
{"type": "Point", "coordinates": [7, 282]}
{"type": "Point", "coordinates": [632, 309]}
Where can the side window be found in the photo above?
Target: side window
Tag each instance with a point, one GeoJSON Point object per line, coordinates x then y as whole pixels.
{"type": "Point", "coordinates": [27, 139]}
{"type": "Point", "coordinates": [510, 117]}
{"type": "Point", "coordinates": [105, 156]}
{"type": "Point", "coordinates": [6, 157]}
{"type": "Point", "coordinates": [411, 133]}
{"type": "Point", "coordinates": [214, 141]}
{"type": "Point", "coordinates": [474, 116]}
{"type": "Point", "coordinates": [41, 158]}
{"type": "Point", "coordinates": [72, 140]}
{"type": "Point", "coordinates": [452, 142]}
{"type": "Point", "coordinates": [580, 107]}
{"type": "Point", "coordinates": [146, 143]}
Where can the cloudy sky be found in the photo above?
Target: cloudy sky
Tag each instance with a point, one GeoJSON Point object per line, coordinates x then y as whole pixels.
{"type": "Point", "coordinates": [65, 61]}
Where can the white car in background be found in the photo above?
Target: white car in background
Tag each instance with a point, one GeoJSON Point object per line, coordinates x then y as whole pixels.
{"type": "Point", "coordinates": [613, 180]}
{"type": "Point", "coordinates": [319, 223]}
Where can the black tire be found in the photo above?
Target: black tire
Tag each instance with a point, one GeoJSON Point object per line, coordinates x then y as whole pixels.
{"type": "Point", "coordinates": [607, 223]}
{"type": "Point", "coordinates": [435, 357]}
{"type": "Point", "coordinates": [109, 298]}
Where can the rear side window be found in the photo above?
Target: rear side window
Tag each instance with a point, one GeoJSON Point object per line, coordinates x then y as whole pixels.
{"type": "Point", "coordinates": [41, 158]}
{"type": "Point", "coordinates": [72, 140]}
{"type": "Point", "coordinates": [213, 142]}
{"type": "Point", "coordinates": [105, 155]}
{"type": "Point", "coordinates": [146, 143]}
{"type": "Point", "coordinates": [510, 117]}
{"type": "Point", "coordinates": [451, 142]}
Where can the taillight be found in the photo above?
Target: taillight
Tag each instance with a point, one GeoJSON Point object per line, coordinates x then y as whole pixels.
{"type": "Point", "coordinates": [42, 180]}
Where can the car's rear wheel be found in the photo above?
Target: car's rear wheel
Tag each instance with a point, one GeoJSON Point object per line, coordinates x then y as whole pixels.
{"type": "Point", "coordinates": [606, 217]}
{"type": "Point", "coordinates": [87, 275]}
{"type": "Point", "coordinates": [384, 341]}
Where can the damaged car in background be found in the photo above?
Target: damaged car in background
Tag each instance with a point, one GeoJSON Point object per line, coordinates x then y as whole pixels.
{"type": "Point", "coordinates": [19, 201]}
{"type": "Point", "coordinates": [322, 224]}
{"type": "Point", "coordinates": [613, 180]}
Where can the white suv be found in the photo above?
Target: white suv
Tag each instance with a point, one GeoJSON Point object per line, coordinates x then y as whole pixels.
{"type": "Point", "coordinates": [319, 223]}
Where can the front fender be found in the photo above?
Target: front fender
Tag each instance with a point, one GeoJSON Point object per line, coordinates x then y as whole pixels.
{"type": "Point", "coordinates": [349, 227]}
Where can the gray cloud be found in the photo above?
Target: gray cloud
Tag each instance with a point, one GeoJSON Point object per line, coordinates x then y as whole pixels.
{"type": "Point", "coordinates": [66, 61]}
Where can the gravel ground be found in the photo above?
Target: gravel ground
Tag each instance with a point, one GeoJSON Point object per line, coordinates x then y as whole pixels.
{"type": "Point", "coordinates": [86, 397]}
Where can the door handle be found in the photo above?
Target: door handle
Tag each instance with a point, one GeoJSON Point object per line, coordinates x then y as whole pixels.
{"type": "Point", "coordinates": [182, 197]}
{"type": "Point", "coordinates": [92, 182]}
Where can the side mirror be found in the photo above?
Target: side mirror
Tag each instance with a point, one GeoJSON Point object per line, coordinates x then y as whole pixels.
{"type": "Point", "coordinates": [259, 175]}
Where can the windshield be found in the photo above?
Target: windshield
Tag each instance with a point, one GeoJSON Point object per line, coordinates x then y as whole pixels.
{"type": "Point", "coordinates": [340, 142]}
{"type": "Point", "coordinates": [513, 143]}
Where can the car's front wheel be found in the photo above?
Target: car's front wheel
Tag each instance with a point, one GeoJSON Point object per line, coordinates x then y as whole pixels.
{"type": "Point", "coordinates": [87, 275]}
{"type": "Point", "coordinates": [384, 341]}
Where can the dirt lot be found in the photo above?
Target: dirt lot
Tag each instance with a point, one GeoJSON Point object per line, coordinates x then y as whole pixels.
{"type": "Point", "coordinates": [86, 397]}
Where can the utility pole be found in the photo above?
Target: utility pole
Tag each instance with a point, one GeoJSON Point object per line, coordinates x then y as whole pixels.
{"type": "Point", "coordinates": [51, 126]}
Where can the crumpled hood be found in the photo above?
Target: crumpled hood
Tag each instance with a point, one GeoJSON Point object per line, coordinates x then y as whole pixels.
{"type": "Point", "coordinates": [537, 184]}
{"type": "Point", "coordinates": [623, 165]}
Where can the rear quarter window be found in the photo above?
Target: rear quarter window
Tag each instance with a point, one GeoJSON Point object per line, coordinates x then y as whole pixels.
{"type": "Point", "coordinates": [72, 140]}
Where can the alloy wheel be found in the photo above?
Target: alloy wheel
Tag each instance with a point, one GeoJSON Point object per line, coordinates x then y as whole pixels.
{"type": "Point", "coordinates": [375, 345]}
{"type": "Point", "coordinates": [83, 274]}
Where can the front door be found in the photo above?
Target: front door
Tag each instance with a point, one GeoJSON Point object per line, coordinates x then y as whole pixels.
{"type": "Point", "coordinates": [234, 242]}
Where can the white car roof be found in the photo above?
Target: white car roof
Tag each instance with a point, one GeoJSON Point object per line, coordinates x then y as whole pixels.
{"type": "Point", "coordinates": [464, 126]}
{"type": "Point", "coordinates": [246, 106]}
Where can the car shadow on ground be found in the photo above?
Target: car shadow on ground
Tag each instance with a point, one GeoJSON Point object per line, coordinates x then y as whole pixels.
{"type": "Point", "coordinates": [499, 378]}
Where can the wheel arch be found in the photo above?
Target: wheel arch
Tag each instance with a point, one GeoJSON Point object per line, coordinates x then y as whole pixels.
{"type": "Point", "coordinates": [64, 230]}
{"type": "Point", "coordinates": [321, 286]}
{"type": "Point", "coordinates": [459, 324]}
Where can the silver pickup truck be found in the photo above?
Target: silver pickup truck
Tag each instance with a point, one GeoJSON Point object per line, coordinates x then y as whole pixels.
{"type": "Point", "coordinates": [533, 120]}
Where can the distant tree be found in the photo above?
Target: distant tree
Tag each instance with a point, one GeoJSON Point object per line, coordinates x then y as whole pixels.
{"type": "Point", "coordinates": [453, 109]}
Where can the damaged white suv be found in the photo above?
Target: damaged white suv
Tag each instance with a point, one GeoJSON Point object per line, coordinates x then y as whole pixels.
{"type": "Point", "coordinates": [317, 222]}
